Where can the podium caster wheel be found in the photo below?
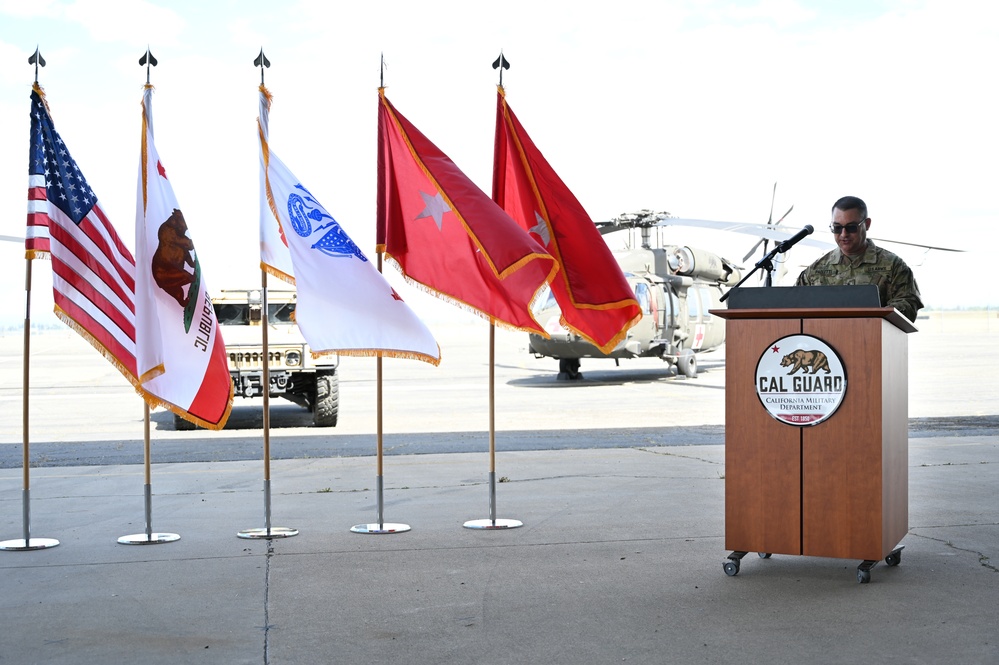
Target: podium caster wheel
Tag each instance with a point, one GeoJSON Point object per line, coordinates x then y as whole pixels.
{"type": "Point", "coordinates": [764, 555]}
{"type": "Point", "coordinates": [731, 568]}
{"type": "Point", "coordinates": [894, 559]}
{"type": "Point", "coordinates": [863, 576]}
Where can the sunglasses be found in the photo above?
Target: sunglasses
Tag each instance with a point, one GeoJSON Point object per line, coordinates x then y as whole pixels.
{"type": "Point", "coordinates": [849, 228]}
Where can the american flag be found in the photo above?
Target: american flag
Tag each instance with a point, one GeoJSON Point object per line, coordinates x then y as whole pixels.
{"type": "Point", "coordinates": [93, 272]}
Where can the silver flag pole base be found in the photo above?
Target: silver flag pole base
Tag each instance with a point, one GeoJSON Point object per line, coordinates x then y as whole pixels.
{"type": "Point", "coordinates": [492, 524]}
{"type": "Point", "coordinates": [381, 526]}
{"type": "Point", "coordinates": [148, 538]}
{"type": "Point", "coordinates": [22, 545]}
{"type": "Point", "coordinates": [268, 531]}
{"type": "Point", "coordinates": [27, 543]}
{"type": "Point", "coordinates": [384, 527]}
{"type": "Point", "coordinates": [272, 532]}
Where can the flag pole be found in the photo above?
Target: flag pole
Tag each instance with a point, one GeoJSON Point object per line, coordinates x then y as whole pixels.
{"type": "Point", "coordinates": [492, 522]}
{"type": "Point", "coordinates": [27, 543]}
{"type": "Point", "coordinates": [379, 527]}
{"type": "Point", "coordinates": [267, 531]}
{"type": "Point", "coordinates": [148, 537]}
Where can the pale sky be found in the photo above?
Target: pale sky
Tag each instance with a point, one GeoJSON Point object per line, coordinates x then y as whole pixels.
{"type": "Point", "coordinates": [696, 108]}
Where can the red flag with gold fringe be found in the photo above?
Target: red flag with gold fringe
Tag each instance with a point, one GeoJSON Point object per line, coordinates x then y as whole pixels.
{"type": "Point", "coordinates": [447, 235]}
{"type": "Point", "coordinates": [595, 298]}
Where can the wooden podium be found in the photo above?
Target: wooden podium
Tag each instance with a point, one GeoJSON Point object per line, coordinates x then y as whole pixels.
{"type": "Point", "coordinates": [838, 488]}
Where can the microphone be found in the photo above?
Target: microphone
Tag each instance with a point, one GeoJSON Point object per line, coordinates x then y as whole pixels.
{"type": "Point", "coordinates": [795, 239]}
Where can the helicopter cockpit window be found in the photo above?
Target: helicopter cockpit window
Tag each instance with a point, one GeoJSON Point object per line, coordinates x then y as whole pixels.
{"type": "Point", "coordinates": [694, 303]}
{"type": "Point", "coordinates": [644, 298]}
{"type": "Point", "coordinates": [706, 302]}
{"type": "Point", "coordinates": [699, 303]}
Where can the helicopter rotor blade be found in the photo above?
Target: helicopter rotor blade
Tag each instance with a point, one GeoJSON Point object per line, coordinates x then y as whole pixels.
{"type": "Point", "coordinates": [773, 197]}
{"type": "Point", "coordinates": [916, 244]}
{"type": "Point", "coordinates": [753, 249]}
{"type": "Point", "coordinates": [770, 224]}
{"type": "Point", "coordinates": [784, 216]}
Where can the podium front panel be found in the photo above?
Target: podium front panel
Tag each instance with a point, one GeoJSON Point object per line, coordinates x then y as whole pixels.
{"type": "Point", "coordinates": [762, 455]}
{"type": "Point", "coordinates": [841, 457]}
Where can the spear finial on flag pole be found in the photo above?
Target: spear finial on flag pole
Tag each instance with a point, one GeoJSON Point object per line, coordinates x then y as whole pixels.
{"type": "Point", "coordinates": [501, 63]}
{"type": "Point", "coordinates": [37, 60]}
{"type": "Point", "coordinates": [261, 61]}
{"type": "Point", "coordinates": [149, 61]}
{"type": "Point", "coordinates": [381, 72]}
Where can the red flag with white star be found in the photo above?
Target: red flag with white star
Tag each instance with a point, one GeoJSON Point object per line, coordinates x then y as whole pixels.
{"type": "Point", "coordinates": [447, 235]}
{"type": "Point", "coordinates": [595, 298]}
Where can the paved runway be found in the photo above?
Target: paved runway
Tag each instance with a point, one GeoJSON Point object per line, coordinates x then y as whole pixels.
{"type": "Point", "coordinates": [951, 376]}
{"type": "Point", "coordinates": [619, 558]}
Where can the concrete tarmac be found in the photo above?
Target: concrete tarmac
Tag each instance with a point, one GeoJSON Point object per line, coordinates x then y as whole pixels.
{"type": "Point", "coordinates": [619, 558]}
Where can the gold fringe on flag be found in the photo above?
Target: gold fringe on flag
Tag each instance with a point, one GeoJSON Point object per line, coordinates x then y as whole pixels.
{"type": "Point", "coordinates": [471, 309]}
{"type": "Point", "coordinates": [380, 353]}
{"type": "Point", "coordinates": [274, 272]}
{"type": "Point", "coordinates": [152, 400]}
{"type": "Point", "coordinates": [101, 349]}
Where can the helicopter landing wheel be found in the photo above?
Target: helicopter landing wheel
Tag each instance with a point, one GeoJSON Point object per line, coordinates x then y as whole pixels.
{"type": "Point", "coordinates": [687, 364]}
{"type": "Point", "coordinates": [568, 369]}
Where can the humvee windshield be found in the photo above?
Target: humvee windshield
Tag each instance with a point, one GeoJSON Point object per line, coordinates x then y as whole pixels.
{"type": "Point", "coordinates": [281, 313]}
{"type": "Point", "coordinates": [239, 314]}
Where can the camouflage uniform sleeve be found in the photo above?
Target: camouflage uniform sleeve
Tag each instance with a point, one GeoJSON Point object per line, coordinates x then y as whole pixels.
{"type": "Point", "coordinates": [903, 293]}
{"type": "Point", "coordinates": [803, 278]}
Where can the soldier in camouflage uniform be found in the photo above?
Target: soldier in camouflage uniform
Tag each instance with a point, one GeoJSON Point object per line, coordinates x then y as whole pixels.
{"type": "Point", "coordinates": [857, 260]}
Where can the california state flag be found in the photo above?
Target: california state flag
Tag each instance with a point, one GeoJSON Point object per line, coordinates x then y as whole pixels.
{"type": "Point", "coordinates": [180, 355]}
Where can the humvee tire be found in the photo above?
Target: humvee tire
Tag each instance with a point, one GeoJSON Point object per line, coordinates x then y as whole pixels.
{"type": "Point", "coordinates": [326, 401]}
{"type": "Point", "coordinates": [293, 372]}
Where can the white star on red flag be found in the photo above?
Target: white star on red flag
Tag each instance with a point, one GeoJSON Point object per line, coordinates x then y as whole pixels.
{"type": "Point", "coordinates": [436, 207]}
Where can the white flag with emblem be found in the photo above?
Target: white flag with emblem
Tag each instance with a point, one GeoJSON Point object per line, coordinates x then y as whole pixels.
{"type": "Point", "coordinates": [345, 305]}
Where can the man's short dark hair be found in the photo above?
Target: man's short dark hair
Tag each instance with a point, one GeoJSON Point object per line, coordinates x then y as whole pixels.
{"type": "Point", "coordinates": [851, 203]}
